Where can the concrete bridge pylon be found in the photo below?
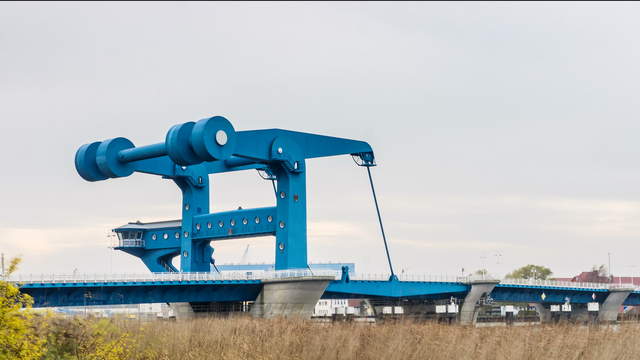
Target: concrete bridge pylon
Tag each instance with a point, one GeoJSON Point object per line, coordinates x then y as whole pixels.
{"type": "Point", "coordinates": [470, 307]}
{"type": "Point", "coordinates": [291, 297]}
{"type": "Point", "coordinates": [611, 305]}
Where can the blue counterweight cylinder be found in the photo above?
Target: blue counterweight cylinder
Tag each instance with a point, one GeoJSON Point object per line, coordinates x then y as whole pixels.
{"type": "Point", "coordinates": [186, 144]}
{"type": "Point", "coordinates": [107, 157]}
{"type": "Point", "coordinates": [213, 138]}
{"type": "Point", "coordinates": [178, 144]}
{"type": "Point", "coordinates": [86, 165]}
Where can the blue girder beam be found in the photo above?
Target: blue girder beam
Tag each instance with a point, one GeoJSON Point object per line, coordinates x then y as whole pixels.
{"type": "Point", "coordinates": [235, 224]}
{"type": "Point", "coordinates": [136, 293]}
{"type": "Point", "coordinates": [557, 295]}
{"type": "Point", "coordinates": [131, 292]}
{"type": "Point", "coordinates": [394, 289]}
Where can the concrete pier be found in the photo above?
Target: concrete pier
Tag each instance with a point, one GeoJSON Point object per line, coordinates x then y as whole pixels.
{"type": "Point", "coordinates": [479, 288]}
{"type": "Point", "coordinates": [611, 305]}
{"type": "Point", "coordinates": [543, 312]}
{"type": "Point", "coordinates": [182, 310]}
{"type": "Point", "coordinates": [291, 297]}
{"type": "Point", "coordinates": [579, 314]}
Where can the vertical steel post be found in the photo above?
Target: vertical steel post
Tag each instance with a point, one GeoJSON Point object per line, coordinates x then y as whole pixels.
{"type": "Point", "coordinates": [291, 220]}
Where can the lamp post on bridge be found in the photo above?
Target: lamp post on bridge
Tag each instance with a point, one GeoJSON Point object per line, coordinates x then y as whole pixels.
{"type": "Point", "coordinates": [632, 271]}
{"type": "Point", "coordinates": [609, 267]}
{"type": "Point", "coordinates": [484, 270]}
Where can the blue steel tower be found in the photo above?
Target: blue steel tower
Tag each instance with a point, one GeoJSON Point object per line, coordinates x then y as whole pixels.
{"type": "Point", "coordinates": [189, 154]}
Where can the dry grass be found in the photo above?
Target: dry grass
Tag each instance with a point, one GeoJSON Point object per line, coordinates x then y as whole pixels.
{"type": "Point", "coordinates": [243, 338]}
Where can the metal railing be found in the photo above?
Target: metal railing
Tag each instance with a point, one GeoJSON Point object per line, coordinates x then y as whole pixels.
{"type": "Point", "coordinates": [409, 277]}
{"type": "Point", "coordinates": [284, 274]}
{"type": "Point", "coordinates": [131, 243]}
{"type": "Point", "coordinates": [165, 277]}
{"type": "Point", "coordinates": [570, 284]}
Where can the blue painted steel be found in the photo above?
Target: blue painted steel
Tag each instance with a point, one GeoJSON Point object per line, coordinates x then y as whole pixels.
{"type": "Point", "coordinates": [232, 224]}
{"type": "Point", "coordinates": [50, 295]}
{"type": "Point", "coordinates": [556, 295]}
{"type": "Point", "coordinates": [633, 299]}
{"type": "Point", "coordinates": [394, 289]}
{"type": "Point", "coordinates": [190, 153]}
{"type": "Point", "coordinates": [141, 153]}
{"type": "Point", "coordinates": [384, 237]}
{"type": "Point", "coordinates": [130, 292]}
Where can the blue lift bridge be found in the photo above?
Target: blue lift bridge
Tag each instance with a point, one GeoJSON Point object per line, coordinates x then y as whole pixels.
{"type": "Point", "coordinates": [191, 152]}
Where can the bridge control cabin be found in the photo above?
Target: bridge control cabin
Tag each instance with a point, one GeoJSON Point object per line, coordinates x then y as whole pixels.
{"type": "Point", "coordinates": [155, 243]}
{"type": "Point", "coordinates": [139, 234]}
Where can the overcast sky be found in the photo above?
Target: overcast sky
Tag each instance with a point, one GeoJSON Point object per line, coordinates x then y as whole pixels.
{"type": "Point", "coordinates": [506, 134]}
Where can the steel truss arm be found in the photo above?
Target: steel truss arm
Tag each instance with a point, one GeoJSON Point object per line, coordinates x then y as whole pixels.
{"type": "Point", "coordinates": [194, 150]}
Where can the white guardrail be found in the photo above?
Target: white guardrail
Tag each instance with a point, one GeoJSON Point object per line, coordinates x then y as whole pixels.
{"type": "Point", "coordinates": [571, 284]}
{"type": "Point", "coordinates": [283, 274]}
{"type": "Point", "coordinates": [169, 276]}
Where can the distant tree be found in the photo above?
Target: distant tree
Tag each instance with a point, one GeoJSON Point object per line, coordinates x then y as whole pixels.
{"type": "Point", "coordinates": [530, 272]}
{"type": "Point", "coordinates": [601, 270]}
{"type": "Point", "coordinates": [483, 272]}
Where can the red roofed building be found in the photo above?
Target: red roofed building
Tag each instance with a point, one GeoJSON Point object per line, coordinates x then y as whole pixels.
{"type": "Point", "coordinates": [597, 277]}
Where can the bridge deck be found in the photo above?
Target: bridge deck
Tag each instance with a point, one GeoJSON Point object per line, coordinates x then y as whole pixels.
{"type": "Point", "coordinates": [78, 290]}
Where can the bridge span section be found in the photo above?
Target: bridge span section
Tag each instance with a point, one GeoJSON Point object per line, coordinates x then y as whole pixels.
{"type": "Point", "coordinates": [194, 288]}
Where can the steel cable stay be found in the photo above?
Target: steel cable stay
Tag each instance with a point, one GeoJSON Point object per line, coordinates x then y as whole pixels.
{"type": "Point", "coordinates": [266, 175]}
{"type": "Point", "coordinates": [375, 201]}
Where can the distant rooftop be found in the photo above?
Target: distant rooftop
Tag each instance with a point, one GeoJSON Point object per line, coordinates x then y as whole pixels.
{"type": "Point", "coordinates": [150, 225]}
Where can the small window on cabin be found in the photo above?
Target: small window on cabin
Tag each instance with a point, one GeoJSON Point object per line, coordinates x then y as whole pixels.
{"type": "Point", "coordinates": [139, 235]}
{"type": "Point", "coordinates": [125, 235]}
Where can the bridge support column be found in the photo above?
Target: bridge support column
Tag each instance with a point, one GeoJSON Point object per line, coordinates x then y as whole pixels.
{"type": "Point", "coordinates": [469, 310]}
{"type": "Point", "coordinates": [611, 305]}
{"type": "Point", "coordinates": [182, 310]}
{"type": "Point", "coordinates": [579, 314]}
{"type": "Point", "coordinates": [543, 312]}
{"type": "Point", "coordinates": [293, 297]}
